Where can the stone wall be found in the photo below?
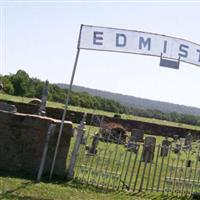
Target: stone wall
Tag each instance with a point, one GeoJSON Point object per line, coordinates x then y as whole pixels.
{"type": "Point", "coordinates": [75, 117]}
{"type": "Point", "coordinates": [154, 129]}
{"type": "Point", "coordinates": [22, 138]}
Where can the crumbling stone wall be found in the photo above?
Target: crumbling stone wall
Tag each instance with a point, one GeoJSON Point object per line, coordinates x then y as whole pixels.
{"type": "Point", "coordinates": [75, 117]}
{"type": "Point", "coordinates": [22, 138]}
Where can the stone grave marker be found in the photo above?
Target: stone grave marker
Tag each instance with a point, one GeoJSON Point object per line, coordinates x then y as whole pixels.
{"type": "Point", "coordinates": [188, 140]}
{"type": "Point", "coordinates": [149, 149]}
{"type": "Point", "coordinates": [175, 137]}
{"type": "Point", "coordinates": [132, 146]}
{"type": "Point", "coordinates": [137, 135]}
{"type": "Point", "coordinates": [165, 147]}
{"type": "Point", "coordinates": [92, 150]}
{"type": "Point", "coordinates": [177, 148]}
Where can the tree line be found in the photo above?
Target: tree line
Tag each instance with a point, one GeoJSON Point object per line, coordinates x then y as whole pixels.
{"type": "Point", "coordinates": [20, 84]}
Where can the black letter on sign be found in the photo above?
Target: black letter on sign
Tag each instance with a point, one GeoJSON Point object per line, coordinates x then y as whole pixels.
{"type": "Point", "coordinates": [144, 43]}
{"type": "Point", "coordinates": [98, 36]}
{"type": "Point", "coordinates": [120, 40]}
{"type": "Point", "coordinates": [198, 50]}
{"type": "Point", "coordinates": [182, 48]}
{"type": "Point", "coordinates": [165, 47]}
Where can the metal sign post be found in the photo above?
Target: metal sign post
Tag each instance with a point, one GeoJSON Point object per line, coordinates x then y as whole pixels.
{"type": "Point", "coordinates": [65, 109]}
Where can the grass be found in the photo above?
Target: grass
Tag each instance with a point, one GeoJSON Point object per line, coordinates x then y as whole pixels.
{"type": "Point", "coordinates": [100, 112]}
{"type": "Point", "coordinates": [23, 189]}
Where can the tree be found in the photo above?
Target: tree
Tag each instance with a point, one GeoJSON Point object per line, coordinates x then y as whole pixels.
{"type": "Point", "coordinates": [21, 83]}
{"type": "Point", "coordinates": [7, 85]}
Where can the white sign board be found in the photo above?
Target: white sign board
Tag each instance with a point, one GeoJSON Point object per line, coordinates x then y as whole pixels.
{"type": "Point", "coordinates": [136, 42]}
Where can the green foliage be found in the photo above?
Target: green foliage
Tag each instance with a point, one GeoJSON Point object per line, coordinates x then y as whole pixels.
{"type": "Point", "coordinates": [7, 85]}
{"type": "Point", "coordinates": [20, 84]}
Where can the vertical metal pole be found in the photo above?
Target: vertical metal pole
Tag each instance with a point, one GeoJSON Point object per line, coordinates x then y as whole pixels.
{"type": "Point", "coordinates": [49, 133]}
{"type": "Point", "coordinates": [195, 171]}
{"type": "Point", "coordinates": [177, 166]}
{"type": "Point", "coordinates": [127, 169]}
{"type": "Point", "coordinates": [103, 161]}
{"type": "Point", "coordinates": [138, 170]}
{"type": "Point", "coordinates": [155, 169]}
{"type": "Point", "coordinates": [144, 170]}
{"type": "Point", "coordinates": [119, 162]}
{"type": "Point", "coordinates": [123, 166]}
{"type": "Point", "coordinates": [66, 106]}
{"type": "Point", "coordinates": [115, 155]}
{"type": "Point", "coordinates": [185, 174]}
{"type": "Point", "coordinates": [90, 169]}
{"type": "Point", "coordinates": [166, 170]}
{"type": "Point", "coordinates": [80, 134]}
{"type": "Point", "coordinates": [133, 168]}
{"type": "Point", "coordinates": [180, 174]}
{"type": "Point", "coordinates": [149, 173]}
{"type": "Point", "coordinates": [161, 168]}
{"type": "Point", "coordinates": [198, 180]}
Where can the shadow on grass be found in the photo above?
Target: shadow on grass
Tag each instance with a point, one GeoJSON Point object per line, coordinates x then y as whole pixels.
{"type": "Point", "coordinates": [31, 180]}
{"type": "Point", "coordinates": [12, 194]}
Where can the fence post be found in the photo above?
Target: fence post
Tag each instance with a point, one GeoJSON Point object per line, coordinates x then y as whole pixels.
{"type": "Point", "coordinates": [79, 137]}
{"type": "Point", "coordinates": [49, 134]}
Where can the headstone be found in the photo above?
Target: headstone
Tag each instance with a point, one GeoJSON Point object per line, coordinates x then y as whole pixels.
{"type": "Point", "coordinates": [137, 135]}
{"type": "Point", "coordinates": [149, 149]}
{"type": "Point", "coordinates": [132, 146]}
{"type": "Point", "coordinates": [188, 140]}
{"type": "Point", "coordinates": [175, 137]}
{"type": "Point", "coordinates": [165, 147]}
{"type": "Point", "coordinates": [93, 148]}
{"type": "Point", "coordinates": [188, 163]}
{"type": "Point", "coordinates": [182, 140]}
{"type": "Point", "coordinates": [7, 107]}
{"type": "Point", "coordinates": [177, 148]}
{"type": "Point", "coordinates": [42, 109]}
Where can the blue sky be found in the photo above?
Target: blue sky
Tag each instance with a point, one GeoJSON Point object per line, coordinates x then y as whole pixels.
{"type": "Point", "coordinates": [41, 38]}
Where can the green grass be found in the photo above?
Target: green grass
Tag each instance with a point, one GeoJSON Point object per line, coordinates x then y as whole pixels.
{"type": "Point", "coordinates": [100, 112]}
{"type": "Point", "coordinates": [24, 189]}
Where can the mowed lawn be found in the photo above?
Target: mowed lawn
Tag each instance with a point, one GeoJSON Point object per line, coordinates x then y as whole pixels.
{"type": "Point", "coordinates": [24, 189]}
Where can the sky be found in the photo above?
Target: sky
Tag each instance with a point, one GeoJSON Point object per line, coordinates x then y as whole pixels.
{"type": "Point", "coordinates": [41, 37]}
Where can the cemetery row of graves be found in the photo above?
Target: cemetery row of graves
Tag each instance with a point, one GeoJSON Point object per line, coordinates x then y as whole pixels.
{"type": "Point", "coordinates": [111, 158]}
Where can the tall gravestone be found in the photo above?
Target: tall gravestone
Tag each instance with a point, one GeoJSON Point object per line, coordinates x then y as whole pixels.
{"type": "Point", "coordinates": [93, 148]}
{"type": "Point", "coordinates": [188, 140]}
{"type": "Point", "coordinates": [165, 147]}
{"type": "Point", "coordinates": [149, 149]}
{"type": "Point", "coordinates": [42, 109]}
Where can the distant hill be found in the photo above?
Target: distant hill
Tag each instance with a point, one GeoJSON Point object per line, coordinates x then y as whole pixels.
{"type": "Point", "coordinates": [137, 102]}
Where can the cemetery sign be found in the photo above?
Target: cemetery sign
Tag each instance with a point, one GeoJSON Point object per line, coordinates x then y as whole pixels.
{"type": "Point", "coordinates": [137, 42]}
